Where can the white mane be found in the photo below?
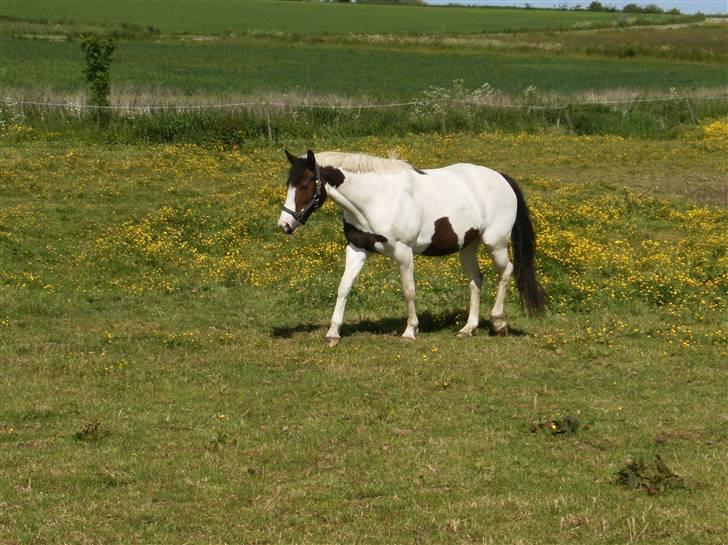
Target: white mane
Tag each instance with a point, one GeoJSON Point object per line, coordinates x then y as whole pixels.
{"type": "Point", "coordinates": [362, 163]}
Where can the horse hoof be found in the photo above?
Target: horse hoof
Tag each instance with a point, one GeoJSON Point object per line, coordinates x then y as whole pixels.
{"type": "Point", "coordinates": [408, 338]}
{"type": "Point", "coordinates": [464, 334]}
{"type": "Point", "coordinates": [502, 332]}
{"type": "Point", "coordinates": [332, 341]}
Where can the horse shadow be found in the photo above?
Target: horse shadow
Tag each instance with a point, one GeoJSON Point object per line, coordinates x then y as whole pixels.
{"type": "Point", "coordinates": [429, 323]}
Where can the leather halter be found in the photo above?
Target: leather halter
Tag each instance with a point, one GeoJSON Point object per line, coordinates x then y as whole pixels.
{"type": "Point", "coordinates": [316, 203]}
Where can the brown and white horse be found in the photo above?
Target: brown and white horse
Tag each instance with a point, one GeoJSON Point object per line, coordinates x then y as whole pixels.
{"type": "Point", "coordinates": [396, 210]}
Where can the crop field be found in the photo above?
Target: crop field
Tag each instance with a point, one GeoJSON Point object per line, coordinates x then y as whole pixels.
{"type": "Point", "coordinates": [225, 68]}
{"type": "Point", "coordinates": [264, 48]}
{"type": "Point", "coordinates": [239, 16]}
{"type": "Point", "coordinates": [164, 376]}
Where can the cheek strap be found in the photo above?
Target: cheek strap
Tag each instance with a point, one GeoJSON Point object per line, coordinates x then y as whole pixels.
{"type": "Point", "coordinates": [310, 208]}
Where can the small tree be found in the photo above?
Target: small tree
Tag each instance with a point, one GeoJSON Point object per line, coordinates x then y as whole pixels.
{"type": "Point", "coordinates": [98, 53]}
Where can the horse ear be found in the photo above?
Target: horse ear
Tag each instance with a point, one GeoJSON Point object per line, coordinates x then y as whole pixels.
{"type": "Point", "coordinates": [310, 161]}
{"type": "Point", "coordinates": [291, 157]}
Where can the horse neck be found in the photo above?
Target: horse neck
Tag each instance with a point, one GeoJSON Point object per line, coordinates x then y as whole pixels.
{"type": "Point", "coordinates": [359, 194]}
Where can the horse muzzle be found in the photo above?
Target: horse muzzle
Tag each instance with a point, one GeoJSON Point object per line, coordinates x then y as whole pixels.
{"type": "Point", "coordinates": [288, 224]}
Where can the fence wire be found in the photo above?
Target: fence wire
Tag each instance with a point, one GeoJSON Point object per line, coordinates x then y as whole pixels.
{"type": "Point", "coordinates": [383, 106]}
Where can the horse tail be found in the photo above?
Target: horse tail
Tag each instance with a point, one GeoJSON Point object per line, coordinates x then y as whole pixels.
{"type": "Point", "coordinates": [523, 238]}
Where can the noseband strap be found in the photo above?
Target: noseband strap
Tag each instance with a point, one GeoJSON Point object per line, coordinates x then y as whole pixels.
{"type": "Point", "coordinates": [315, 204]}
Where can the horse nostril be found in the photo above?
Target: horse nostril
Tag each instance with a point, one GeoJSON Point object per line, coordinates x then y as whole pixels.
{"type": "Point", "coordinates": [287, 229]}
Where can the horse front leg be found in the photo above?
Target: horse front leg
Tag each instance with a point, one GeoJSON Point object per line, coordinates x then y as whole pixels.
{"type": "Point", "coordinates": [355, 259]}
{"type": "Point", "coordinates": [405, 259]}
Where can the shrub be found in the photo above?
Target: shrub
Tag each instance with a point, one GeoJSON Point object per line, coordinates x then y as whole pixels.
{"type": "Point", "coordinates": [98, 51]}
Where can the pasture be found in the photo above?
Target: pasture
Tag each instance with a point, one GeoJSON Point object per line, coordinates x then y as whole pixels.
{"type": "Point", "coordinates": [165, 378]}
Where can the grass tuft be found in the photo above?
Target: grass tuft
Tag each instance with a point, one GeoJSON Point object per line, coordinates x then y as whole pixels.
{"type": "Point", "coordinates": [91, 432]}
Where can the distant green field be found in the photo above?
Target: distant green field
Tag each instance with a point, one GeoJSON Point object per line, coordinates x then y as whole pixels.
{"type": "Point", "coordinates": [226, 16]}
{"type": "Point", "coordinates": [255, 67]}
{"type": "Point", "coordinates": [317, 54]}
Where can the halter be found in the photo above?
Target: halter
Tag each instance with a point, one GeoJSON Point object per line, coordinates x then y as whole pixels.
{"type": "Point", "coordinates": [316, 203]}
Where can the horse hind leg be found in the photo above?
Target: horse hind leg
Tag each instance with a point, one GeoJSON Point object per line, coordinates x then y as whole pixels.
{"type": "Point", "coordinates": [504, 268]}
{"type": "Point", "coordinates": [469, 261]}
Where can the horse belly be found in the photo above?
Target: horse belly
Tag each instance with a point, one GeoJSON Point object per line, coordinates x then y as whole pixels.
{"type": "Point", "coordinates": [450, 219]}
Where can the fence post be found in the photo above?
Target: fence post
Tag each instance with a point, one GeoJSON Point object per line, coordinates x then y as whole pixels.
{"type": "Point", "coordinates": [692, 113]}
{"type": "Point", "coordinates": [267, 119]}
{"type": "Point", "coordinates": [567, 118]}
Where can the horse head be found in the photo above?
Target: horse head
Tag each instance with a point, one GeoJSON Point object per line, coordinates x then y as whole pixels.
{"type": "Point", "coordinates": [306, 192]}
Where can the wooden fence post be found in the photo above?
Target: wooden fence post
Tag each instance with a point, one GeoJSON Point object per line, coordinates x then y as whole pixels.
{"type": "Point", "coordinates": [267, 119]}
{"type": "Point", "coordinates": [692, 113]}
{"type": "Point", "coordinates": [567, 118]}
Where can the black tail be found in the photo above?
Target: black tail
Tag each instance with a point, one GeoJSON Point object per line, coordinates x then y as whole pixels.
{"type": "Point", "coordinates": [533, 298]}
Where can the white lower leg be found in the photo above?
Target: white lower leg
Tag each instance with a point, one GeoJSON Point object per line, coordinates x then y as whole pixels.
{"type": "Point", "coordinates": [355, 259]}
{"type": "Point", "coordinates": [469, 261]}
{"type": "Point", "coordinates": [410, 331]}
{"type": "Point", "coordinates": [504, 268]}
{"type": "Point", "coordinates": [474, 315]}
{"type": "Point", "coordinates": [405, 260]}
{"type": "Point", "coordinates": [497, 316]}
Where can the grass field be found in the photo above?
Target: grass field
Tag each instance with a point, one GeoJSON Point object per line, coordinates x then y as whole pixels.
{"type": "Point", "coordinates": [227, 67]}
{"type": "Point", "coordinates": [165, 378]}
{"type": "Point", "coordinates": [157, 64]}
{"type": "Point", "coordinates": [164, 374]}
{"type": "Point", "coordinates": [420, 47]}
{"type": "Point", "coordinates": [236, 16]}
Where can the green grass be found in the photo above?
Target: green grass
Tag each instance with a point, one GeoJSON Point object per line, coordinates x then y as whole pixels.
{"type": "Point", "coordinates": [266, 59]}
{"type": "Point", "coordinates": [239, 67]}
{"type": "Point", "coordinates": [165, 378]}
{"type": "Point", "coordinates": [697, 42]}
{"type": "Point", "coordinates": [226, 16]}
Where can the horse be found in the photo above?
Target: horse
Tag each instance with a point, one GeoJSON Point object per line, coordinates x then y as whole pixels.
{"type": "Point", "coordinates": [396, 210]}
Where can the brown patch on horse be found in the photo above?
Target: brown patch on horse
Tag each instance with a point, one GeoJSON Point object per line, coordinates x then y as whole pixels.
{"type": "Point", "coordinates": [332, 176]}
{"type": "Point", "coordinates": [471, 235]}
{"type": "Point", "coordinates": [361, 239]}
{"type": "Point", "coordinates": [444, 239]}
{"type": "Point", "coordinates": [298, 171]}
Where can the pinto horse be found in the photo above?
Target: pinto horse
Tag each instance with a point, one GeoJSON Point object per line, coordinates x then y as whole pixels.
{"type": "Point", "coordinates": [396, 210]}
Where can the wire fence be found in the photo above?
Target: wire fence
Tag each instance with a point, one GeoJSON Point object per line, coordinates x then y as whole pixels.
{"type": "Point", "coordinates": [222, 106]}
{"type": "Point", "coordinates": [442, 113]}
{"type": "Point", "coordinates": [389, 105]}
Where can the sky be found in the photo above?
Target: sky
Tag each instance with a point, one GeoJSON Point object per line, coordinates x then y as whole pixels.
{"type": "Point", "coordinates": [685, 6]}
